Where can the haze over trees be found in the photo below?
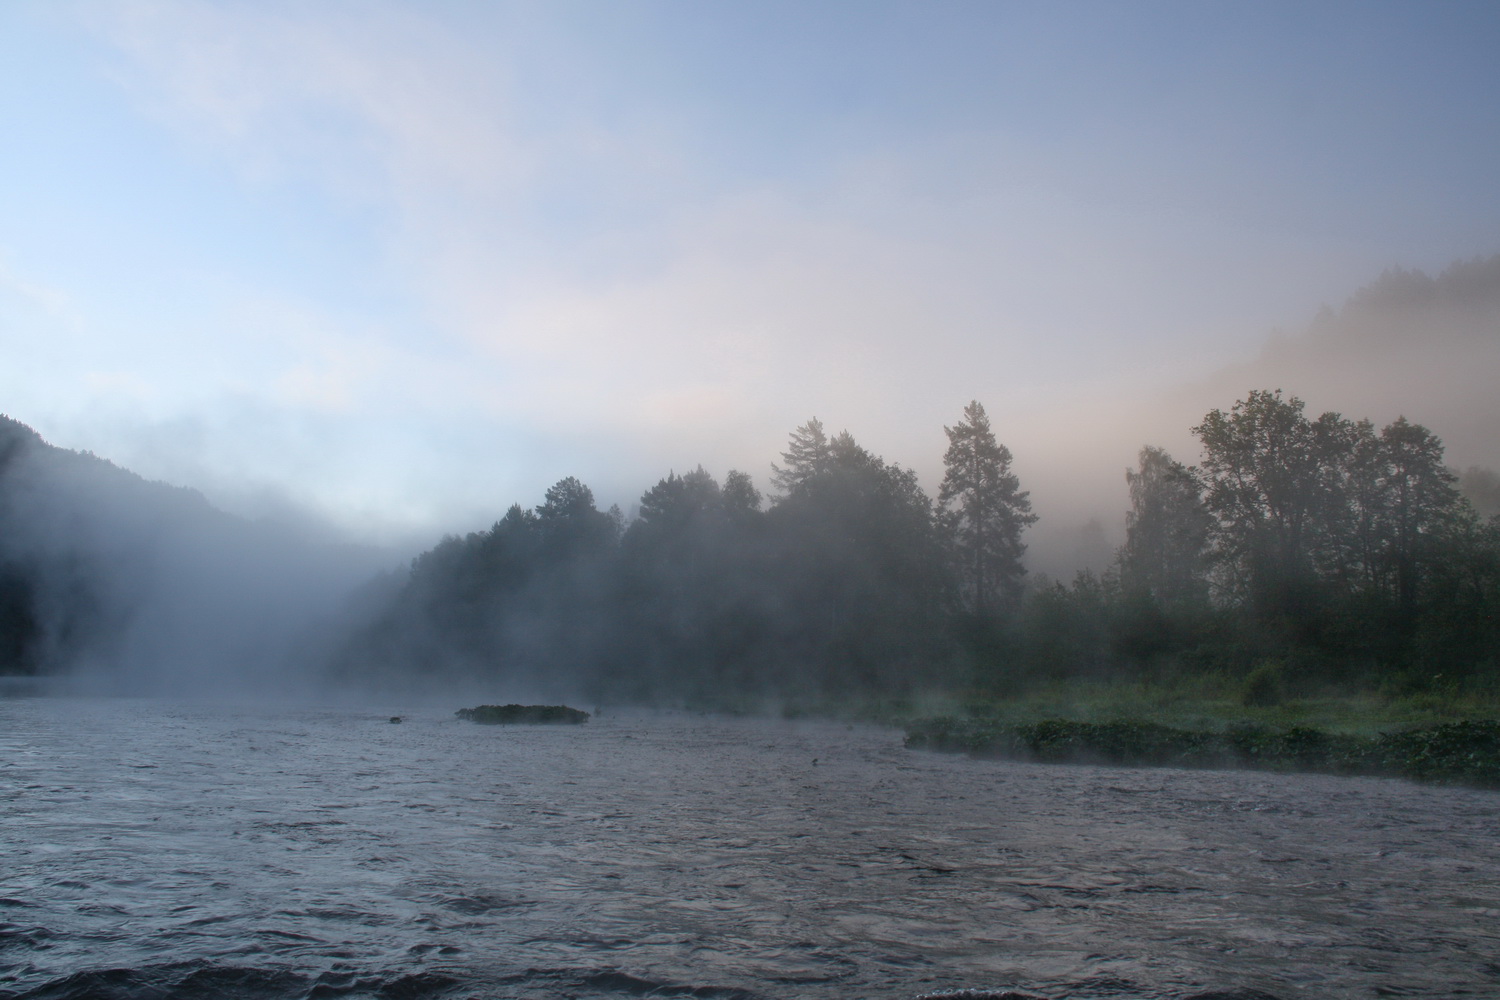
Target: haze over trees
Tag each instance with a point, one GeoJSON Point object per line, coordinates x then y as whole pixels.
{"type": "Point", "coordinates": [841, 586]}
{"type": "Point", "coordinates": [1322, 549]}
{"type": "Point", "coordinates": [1318, 549]}
{"type": "Point", "coordinates": [1165, 556]}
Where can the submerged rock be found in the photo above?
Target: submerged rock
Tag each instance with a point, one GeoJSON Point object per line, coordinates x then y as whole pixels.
{"type": "Point", "coordinates": [523, 714]}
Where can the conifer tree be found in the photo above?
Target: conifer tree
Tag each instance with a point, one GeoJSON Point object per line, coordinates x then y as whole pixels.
{"type": "Point", "coordinates": [984, 511]}
{"type": "Point", "coordinates": [809, 453]}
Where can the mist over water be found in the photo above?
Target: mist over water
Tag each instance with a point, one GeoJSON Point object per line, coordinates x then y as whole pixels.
{"type": "Point", "coordinates": [332, 853]}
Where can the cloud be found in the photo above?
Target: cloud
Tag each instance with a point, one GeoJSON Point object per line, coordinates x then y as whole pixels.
{"type": "Point", "coordinates": [359, 94]}
{"type": "Point", "coordinates": [602, 274]}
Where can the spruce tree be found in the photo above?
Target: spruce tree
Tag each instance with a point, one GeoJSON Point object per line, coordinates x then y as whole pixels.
{"type": "Point", "coordinates": [984, 510]}
{"type": "Point", "coordinates": [809, 454]}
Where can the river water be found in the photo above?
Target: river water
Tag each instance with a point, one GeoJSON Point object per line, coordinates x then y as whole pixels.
{"type": "Point", "coordinates": [156, 849]}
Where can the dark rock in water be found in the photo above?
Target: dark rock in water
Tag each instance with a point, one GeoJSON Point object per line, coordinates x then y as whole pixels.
{"type": "Point", "coordinates": [523, 714]}
{"type": "Point", "coordinates": [395, 718]}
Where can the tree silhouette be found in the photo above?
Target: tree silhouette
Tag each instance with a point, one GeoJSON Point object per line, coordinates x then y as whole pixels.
{"type": "Point", "coordinates": [1262, 471]}
{"type": "Point", "coordinates": [1421, 496]}
{"type": "Point", "coordinates": [808, 454]}
{"type": "Point", "coordinates": [984, 511]}
{"type": "Point", "coordinates": [1166, 530]}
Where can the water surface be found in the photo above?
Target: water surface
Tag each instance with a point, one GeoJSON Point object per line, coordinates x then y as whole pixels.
{"type": "Point", "coordinates": [152, 848]}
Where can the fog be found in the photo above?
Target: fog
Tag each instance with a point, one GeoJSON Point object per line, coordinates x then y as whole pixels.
{"type": "Point", "coordinates": [1406, 343]}
{"type": "Point", "coordinates": [364, 278]}
{"type": "Point", "coordinates": [763, 379]}
{"type": "Point", "coordinates": [143, 588]}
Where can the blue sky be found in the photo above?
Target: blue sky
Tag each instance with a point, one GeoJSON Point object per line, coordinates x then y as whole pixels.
{"type": "Point", "coordinates": [400, 265]}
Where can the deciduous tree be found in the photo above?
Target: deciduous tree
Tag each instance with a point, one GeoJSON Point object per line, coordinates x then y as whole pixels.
{"type": "Point", "coordinates": [1261, 470]}
{"type": "Point", "coordinates": [1166, 531]}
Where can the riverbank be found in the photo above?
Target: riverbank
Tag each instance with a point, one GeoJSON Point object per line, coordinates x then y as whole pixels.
{"type": "Point", "coordinates": [1438, 735]}
{"type": "Point", "coordinates": [1466, 753]}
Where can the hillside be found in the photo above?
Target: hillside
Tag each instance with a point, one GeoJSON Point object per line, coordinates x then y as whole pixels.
{"type": "Point", "coordinates": [1412, 344]}
{"type": "Point", "coordinates": [128, 585]}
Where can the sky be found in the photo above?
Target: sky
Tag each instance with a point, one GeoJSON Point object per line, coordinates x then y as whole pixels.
{"type": "Point", "coordinates": [394, 266]}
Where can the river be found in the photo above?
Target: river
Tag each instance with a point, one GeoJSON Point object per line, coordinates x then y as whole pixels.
{"type": "Point", "coordinates": [152, 849]}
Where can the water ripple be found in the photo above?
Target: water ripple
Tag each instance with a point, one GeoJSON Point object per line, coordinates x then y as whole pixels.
{"type": "Point", "coordinates": [326, 853]}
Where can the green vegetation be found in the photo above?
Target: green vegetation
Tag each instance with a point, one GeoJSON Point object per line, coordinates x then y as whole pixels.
{"type": "Point", "coordinates": [509, 715]}
{"type": "Point", "coordinates": [1460, 752]}
{"type": "Point", "coordinates": [1446, 734]}
{"type": "Point", "coordinates": [1218, 702]}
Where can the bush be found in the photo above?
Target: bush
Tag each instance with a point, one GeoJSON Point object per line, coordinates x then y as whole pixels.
{"type": "Point", "coordinates": [1265, 687]}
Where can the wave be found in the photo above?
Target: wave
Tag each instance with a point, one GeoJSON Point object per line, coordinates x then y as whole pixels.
{"type": "Point", "coordinates": [208, 981]}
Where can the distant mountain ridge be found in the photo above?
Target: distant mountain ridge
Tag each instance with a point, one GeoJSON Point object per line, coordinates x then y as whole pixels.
{"type": "Point", "coordinates": [20, 442]}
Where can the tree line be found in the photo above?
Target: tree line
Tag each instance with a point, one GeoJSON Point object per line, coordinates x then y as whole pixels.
{"type": "Point", "coordinates": [1339, 553]}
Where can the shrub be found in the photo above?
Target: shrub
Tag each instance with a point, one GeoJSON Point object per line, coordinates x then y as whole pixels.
{"type": "Point", "coordinates": [1265, 687]}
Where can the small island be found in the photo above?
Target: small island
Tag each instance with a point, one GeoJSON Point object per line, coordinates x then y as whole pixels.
{"type": "Point", "coordinates": [504, 715]}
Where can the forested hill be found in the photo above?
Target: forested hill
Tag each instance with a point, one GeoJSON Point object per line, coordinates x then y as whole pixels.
{"type": "Point", "coordinates": [130, 585]}
{"type": "Point", "coordinates": [1410, 343]}
{"type": "Point", "coordinates": [1464, 289]}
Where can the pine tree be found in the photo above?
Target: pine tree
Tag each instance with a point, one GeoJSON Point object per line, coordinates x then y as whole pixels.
{"type": "Point", "coordinates": [808, 454]}
{"type": "Point", "coordinates": [984, 511]}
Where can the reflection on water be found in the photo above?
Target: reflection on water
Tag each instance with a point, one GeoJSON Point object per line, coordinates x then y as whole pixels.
{"type": "Point", "coordinates": [330, 853]}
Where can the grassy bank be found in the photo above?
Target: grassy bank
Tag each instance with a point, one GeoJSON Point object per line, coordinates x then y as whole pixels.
{"type": "Point", "coordinates": [1458, 752]}
{"type": "Point", "coordinates": [1216, 703]}
{"type": "Point", "coordinates": [1439, 735]}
